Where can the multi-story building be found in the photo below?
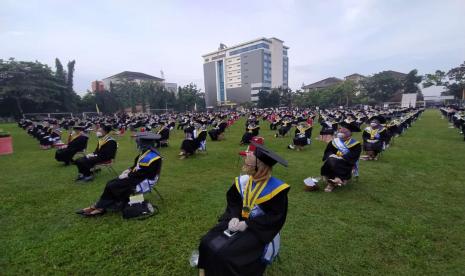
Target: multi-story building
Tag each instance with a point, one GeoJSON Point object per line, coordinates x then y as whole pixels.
{"type": "Point", "coordinates": [131, 77]}
{"type": "Point", "coordinates": [236, 74]}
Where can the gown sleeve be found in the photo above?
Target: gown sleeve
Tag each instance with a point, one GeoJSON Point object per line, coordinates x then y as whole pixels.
{"type": "Point", "coordinates": [330, 149]}
{"type": "Point", "coordinates": [234, 204]}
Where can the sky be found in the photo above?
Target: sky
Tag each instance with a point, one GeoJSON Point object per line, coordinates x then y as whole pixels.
{"type": "Point", "coordinates": [332, 38]}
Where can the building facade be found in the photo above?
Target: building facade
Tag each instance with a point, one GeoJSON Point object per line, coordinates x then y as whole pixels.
{"type": "Point", "coordinates": [98, 86]}
{"type": "Point", "coordinates": [236, 74]}
{"type": "Point", "coordinates": [131, 77]}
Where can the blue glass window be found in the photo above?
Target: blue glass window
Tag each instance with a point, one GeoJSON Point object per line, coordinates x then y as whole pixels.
{"type": "Point", "coordinates": [249, 48]}
{"type": "Point", "coordinates": [221, 80]}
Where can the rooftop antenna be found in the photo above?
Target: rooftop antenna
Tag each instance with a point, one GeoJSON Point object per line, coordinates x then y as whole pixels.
{"type": "Point", "coordinates": [222, 46]}
{"type": "Point", "coordinates": [162, 75]}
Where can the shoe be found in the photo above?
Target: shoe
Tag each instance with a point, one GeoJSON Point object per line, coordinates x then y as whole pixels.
{"type": "Point", "coordinates": [85, 210]}
{"type": "Point", "coordinates": [329, 188]}
{"type": "Point", "coordinates": [88, 178]}
{"type": "Point", "coordinates": [94, 213]}
{"type": "Point", "coordinates": [79, 177]}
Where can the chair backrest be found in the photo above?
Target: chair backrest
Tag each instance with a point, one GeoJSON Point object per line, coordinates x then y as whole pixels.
{"type": "Point", "coordinates": [271, 250]}
{"type": "Point", "coordinates": [146, 185]}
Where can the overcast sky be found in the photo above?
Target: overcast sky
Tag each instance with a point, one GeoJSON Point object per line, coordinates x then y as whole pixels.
{"type": "Point", "coordinates": [326, 38]}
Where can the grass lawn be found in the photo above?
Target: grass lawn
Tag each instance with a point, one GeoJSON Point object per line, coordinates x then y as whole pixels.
{"type": "Point", "coordinates": [405, 215]}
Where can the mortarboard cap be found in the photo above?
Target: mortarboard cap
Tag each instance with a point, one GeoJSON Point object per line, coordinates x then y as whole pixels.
{"type": "Point", "coordinates": [268, 157]}
{"type": "Point", "coordinates": [379, 118]}
{"type": "Point", "coordinates": [146, 135]}
{"type": "Point", "coordinates": [352, 127]}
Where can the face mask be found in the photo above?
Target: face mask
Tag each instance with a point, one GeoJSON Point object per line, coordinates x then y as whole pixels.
{"type": "Point", "coordinates": [373, 124]}
{"type": "Point", "coordinates": [73, 132]}
{"type": "Point", "coordinates": [341, 135]}
{"type": "Point", "coordinates": [99, 134]}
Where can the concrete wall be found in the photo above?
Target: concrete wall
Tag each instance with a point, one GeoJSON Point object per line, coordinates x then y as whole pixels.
{"type": "Point", "coordinates": [209, 76]}
{"type": "Point", "coordinates": [276, 63]}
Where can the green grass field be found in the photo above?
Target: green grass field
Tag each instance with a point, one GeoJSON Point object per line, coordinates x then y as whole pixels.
{"type": "Point", "coordinates": [404, 216]}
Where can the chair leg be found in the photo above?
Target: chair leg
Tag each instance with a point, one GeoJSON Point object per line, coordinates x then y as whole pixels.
{"type": "Point", "coordinates": [158, 193]}
{"type": "Point", "coordinates": [110, 168]}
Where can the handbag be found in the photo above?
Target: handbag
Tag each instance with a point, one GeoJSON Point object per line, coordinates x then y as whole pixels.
{"type": "Point", "coordinates": [141, 210]}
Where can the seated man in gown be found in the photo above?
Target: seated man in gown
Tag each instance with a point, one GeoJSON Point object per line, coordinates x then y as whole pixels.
{"type": "Point", "coordinates": [105, 151]}
{"type": "Point", "coordinates": [255, 213]}
{"type": "Point", "coordinates": [252, 130]}
{"type": "Point", "coordinates": [77, 142]}
{"type": "Point", "coordinates": [374, 138]}
{"type": "Point", "coordinates": [340, 157]}
{"type": "Point", "coordinates": [303, 136]}
{"type": "Point", "coordinates": [146, 168]}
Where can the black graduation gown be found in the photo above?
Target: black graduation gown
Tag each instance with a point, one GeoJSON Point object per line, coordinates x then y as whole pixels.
{"type": "Point", "coordinates": [189, 145]}
{"type": "Point", "coordinates": [301, 139]}
{"type": "Point", "coordinates": [117, 191]}
{"type": "Point", "coordinates": [76, 145]}
{"type": "Point", "coordinates": [103, 154]}
{"type": "Point", "coordinates": [242, 255]}
{"type": "Point", "coordinates": [249, 134]}
{"type": "Point", "coordinates": [342, 168]}
{"type": "Point", "coordinates": [374, 146]}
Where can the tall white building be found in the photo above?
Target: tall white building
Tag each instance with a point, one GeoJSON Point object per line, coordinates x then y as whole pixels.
{"type": "Point", "coordinates": [236, 74]}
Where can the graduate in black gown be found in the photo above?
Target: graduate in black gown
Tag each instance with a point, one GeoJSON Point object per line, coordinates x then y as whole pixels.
{"type": "Point", "coordinates": [374, 138]}
{"type": "Point", "coordinates": [145, 171]}
{"type": "Point", "coordinates": [105, 151]}
{"type": "Point", "coordinates": [164, 133]}
{"type": "Point", "coordinates": [340, 157]}
{"type": "Point", "coordinates": [77, 142]}
{"type": "Point", "coordinates": [252, 130]}
{"type": "Point", "coordinates": [249, 227]}
{"type": "Point", "coordinates": [189, 145]}
{"type": "Point", "coordinates": [303, 136]}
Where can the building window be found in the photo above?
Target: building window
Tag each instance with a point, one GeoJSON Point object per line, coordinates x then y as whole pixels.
{"type": "Point", "coordinates": [221, 81]}
{"type": "Point", "coordinates": [250, 48]}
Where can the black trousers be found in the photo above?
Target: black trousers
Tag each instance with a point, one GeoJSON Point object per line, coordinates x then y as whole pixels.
{"type": "Point", "coordinates": [117, 191]}
{"type": "Point", "coordinates": [85, 164]}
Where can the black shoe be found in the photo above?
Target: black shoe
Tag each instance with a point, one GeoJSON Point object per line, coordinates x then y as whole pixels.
{"type": "Point", "coordinates": [88, 178]}
{"type": "Point", "coordinates": [79, 178]}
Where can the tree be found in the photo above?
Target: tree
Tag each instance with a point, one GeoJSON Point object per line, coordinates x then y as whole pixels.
{"type": "Point", "coordinates": [382, 86]}
{"type": "Point", "coordinates": [453, 81]}
{"type": "Point", "coordinates": [60, 73]}
{"type": "Point", "coordinates": [28, 82]}
{"type": "Point", "coordinates": [285, 97]}
{"type": "Point", "coordinates": [70, 77]}
{"type": "Point", "coordinates": [411, 81]}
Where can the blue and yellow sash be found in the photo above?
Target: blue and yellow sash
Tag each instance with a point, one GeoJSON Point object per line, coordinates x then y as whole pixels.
{"type": "Point", "coordinates": [146, 159]}
{"type": "Point", "coordinates": [343, 146]}
{"type": "Point", "coordinates": [253, 193]}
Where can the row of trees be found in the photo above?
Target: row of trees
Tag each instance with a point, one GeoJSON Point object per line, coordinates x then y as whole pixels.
{"type": "Point", "coordinates": [33, 86]}
{"type": "Point", "coordinates": [453, 81]}
{"type": "Point", "coordinates": [29, 87]}
{"type": "Point", "coordinates": [130, 95]}
{"type": "Point", "coordinates": [377, 89]}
